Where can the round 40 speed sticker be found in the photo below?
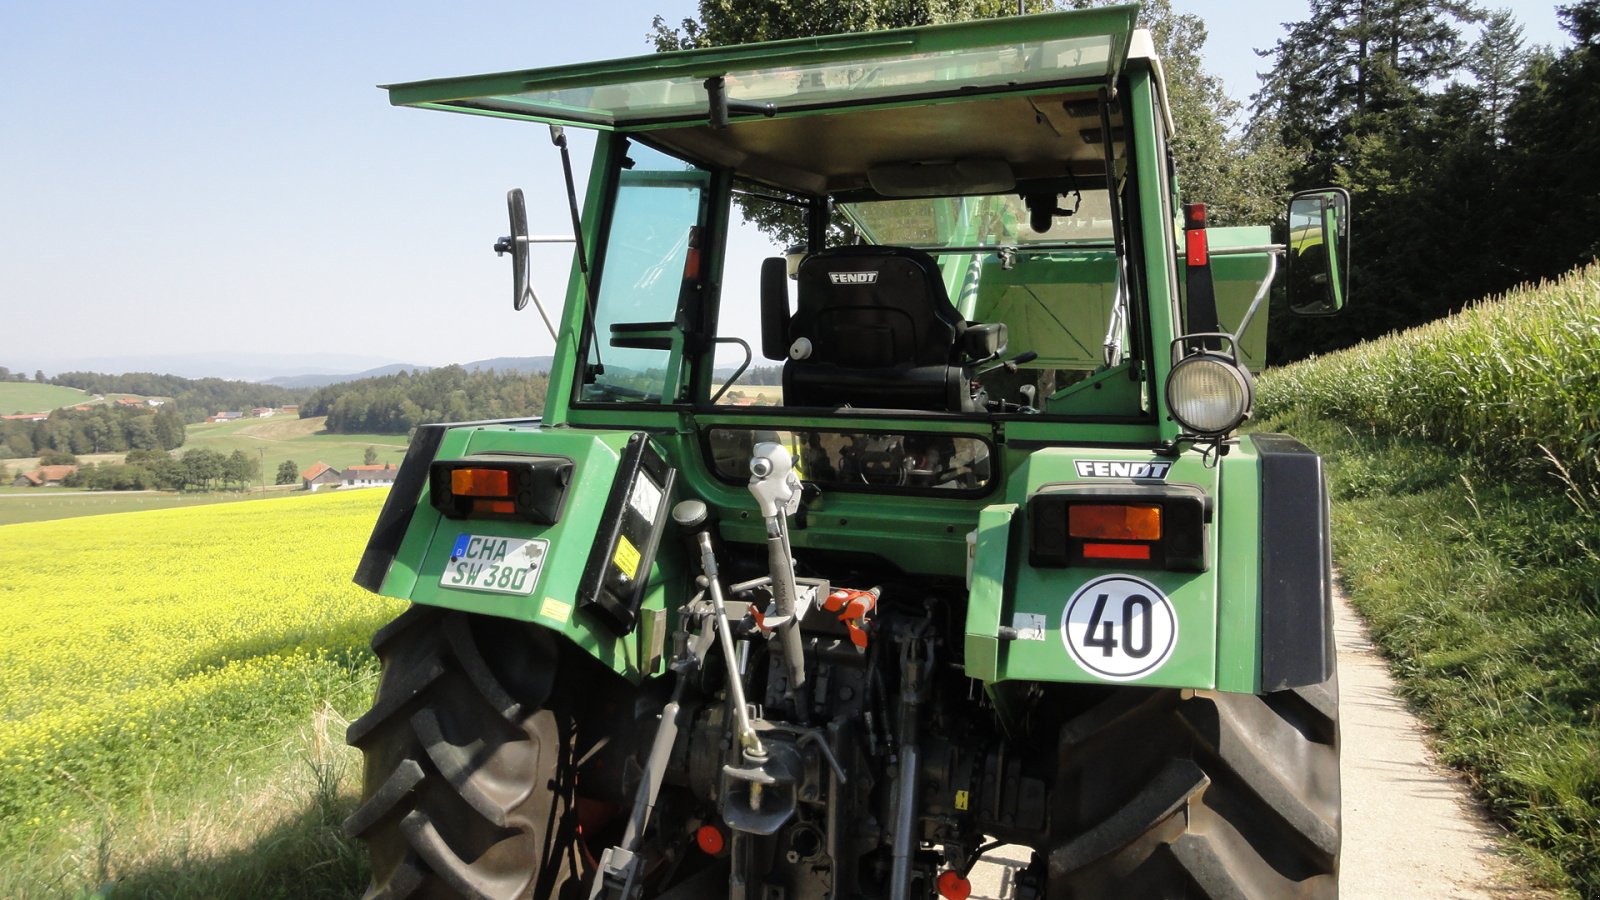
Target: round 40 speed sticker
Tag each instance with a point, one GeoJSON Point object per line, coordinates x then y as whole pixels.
{"type": "Point", "coordinates": [1120, 627]}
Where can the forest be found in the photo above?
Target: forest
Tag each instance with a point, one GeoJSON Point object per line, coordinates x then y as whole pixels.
{"type": "Point", "coordinates": [395, 404]}
{"type": "Point", "coordinates": [194, 398]}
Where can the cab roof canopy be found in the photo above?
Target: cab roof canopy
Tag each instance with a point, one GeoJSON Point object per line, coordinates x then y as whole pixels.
{"type": "Point", "coordinates": [1023, 90]}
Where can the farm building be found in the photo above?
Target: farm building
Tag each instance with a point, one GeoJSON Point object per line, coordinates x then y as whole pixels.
{"type": "Point", "coordinates": [370, 476]}
{"type": "Point", "coordinates": [43, 476]}
{"type": "Point", "coordinates": [319, 475]}
{"type": "Point", "coordinates": [261, 412]}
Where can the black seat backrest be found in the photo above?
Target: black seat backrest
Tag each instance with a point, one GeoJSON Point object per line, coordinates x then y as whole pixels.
{"type": "Point", "coordinates": [875, 307]}
{"type": "Point", "coordinates": [882, 332]}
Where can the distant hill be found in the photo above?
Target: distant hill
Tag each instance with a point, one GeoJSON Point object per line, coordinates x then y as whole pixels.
{"type": "Point", "coordinates": [524, 364]}
{"type": "Point", "coordinates": [228, 365]}
{"type": "Point", "coordinates": [325, 379]}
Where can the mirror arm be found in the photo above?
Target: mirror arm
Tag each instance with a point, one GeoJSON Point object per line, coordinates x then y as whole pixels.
{"type": "Point", "coordinates": [1273, 251]}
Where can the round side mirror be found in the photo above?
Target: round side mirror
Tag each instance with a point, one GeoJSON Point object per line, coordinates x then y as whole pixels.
{"type": "Point", "coordinates": [517, 245]}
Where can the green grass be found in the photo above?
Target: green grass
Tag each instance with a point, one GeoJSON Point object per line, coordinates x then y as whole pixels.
{"type": "Point", "coordinates": [19, 505]}
{"type": "Point", "coordinates": [28, 397]}
{"type": "Point", "coordinates": [278, 438]}
{"type": "Point", "coordinates": [177, 686]}
{"type": "Point", "coordinates": [1462, 462]}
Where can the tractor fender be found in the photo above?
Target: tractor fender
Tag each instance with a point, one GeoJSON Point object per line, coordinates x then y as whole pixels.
{"type": "Point", "coordinates": [1296, 566]}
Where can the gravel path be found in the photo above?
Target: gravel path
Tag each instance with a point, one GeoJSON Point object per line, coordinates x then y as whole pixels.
{"type": "Point", "coordinates": [1410, 828]}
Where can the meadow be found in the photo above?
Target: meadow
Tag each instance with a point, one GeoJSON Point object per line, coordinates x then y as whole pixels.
{"type": "Point", "coordinates": [177, 683]}
{"type": "Point", "coordinates": [277, 438]}
{"type": "Point", "coordinates": [28, 397]}
{"type": "Point", "coordinates": [268, 441]}
{"type": "Point", "coordinates": [1462, 463]}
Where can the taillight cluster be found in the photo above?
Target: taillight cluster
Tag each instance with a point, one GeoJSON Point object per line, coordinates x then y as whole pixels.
{"type": "Point", "coordinates": [501, 486]}
{"type": "Point", "coordinates": [1132, 526]}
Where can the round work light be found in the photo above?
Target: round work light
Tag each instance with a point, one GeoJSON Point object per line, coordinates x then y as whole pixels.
{"type": "Point", "coordinates": [1209, 393]}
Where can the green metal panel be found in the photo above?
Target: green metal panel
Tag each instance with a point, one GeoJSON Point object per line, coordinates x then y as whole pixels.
{"type": "Point", "coordinates": [1057, 305]}
{"type": "Point", "coordinates": [1160, 269]}
{"type": "Point", "coordinates": [999, 54]}
{"type": "Point", "coordinates": [1236, 279]}
{"type": "Point", "coordinates": [986, 597]}
{"type": "Point", "coordinates": [426, 550]}
{"type": "Point", "coordinates": [1238, 550]}
{"type": "Point", "coordinates": [1045, 592]}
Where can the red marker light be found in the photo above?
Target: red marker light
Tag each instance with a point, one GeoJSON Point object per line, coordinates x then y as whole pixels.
{"type": "Point", "coordinates": [953, 887]}
{"type": "Point", "coordinates": [1116, 551]}
{"type": "Point", "coordinates": [1196, 246]}
{"type": "Point", "coordinates": [710, 839]}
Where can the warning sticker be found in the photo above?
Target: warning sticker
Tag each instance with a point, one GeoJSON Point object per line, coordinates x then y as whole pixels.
{"type": "Point", "coordinates": [556, 609]}
{"type": "Point", "coordinates": [626, 559]}
{"type": "Point", "coordinates": [1029, 626]}
{"type": "Point", "coordinates": [645, 498]}
{"type": "Point", "coordinates": [1120, 627]}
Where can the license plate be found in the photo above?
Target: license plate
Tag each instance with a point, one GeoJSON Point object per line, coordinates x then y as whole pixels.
{"type": "Point", "coordinates": [503, 565]}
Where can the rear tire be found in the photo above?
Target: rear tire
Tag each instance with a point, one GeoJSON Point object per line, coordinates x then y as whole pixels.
{"type": "Point", "coordinates": [1168, 793]}
{"type": "Point", "coordinates": [468, 769]}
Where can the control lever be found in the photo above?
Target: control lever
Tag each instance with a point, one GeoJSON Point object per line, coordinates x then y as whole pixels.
{"type": "Point", "coordinates": [777, 490]}
{"type": "Point", "coordinates": [1010, 365]}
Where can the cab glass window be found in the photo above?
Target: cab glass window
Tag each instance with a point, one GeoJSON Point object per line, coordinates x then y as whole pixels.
{"type": "Point", "coordinates": [647, 276]}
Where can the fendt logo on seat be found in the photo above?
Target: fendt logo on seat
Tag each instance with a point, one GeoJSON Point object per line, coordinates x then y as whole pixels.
{"type": "Point", "coordinates": [1100, 468]}
{"type": "Point", "coordinates": [853, 277]}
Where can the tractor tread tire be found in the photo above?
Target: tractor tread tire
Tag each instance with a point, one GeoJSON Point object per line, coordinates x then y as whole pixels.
{"type": "Point", "coordinates": [1163, 793]}
{"type": "Point", "coordinates": [461, 795]}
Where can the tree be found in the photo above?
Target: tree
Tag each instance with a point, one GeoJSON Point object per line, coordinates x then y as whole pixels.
{"type": "Point", "coordinates": [38, 376]}
{"type": "Point", "coordinates": [240, 469]}
{"type": "Point", "coordinates": [722, 23]}
{"type": "Point", "coordinates": [288, 472]}
{"type": "Point", "coordinates": [370, 457]}
{"type": "Point", "coordinates": [57, 458]}
{"type": "Point", "coordinates": [168, 474]}
{"type": "Point", "coordinates": [169, 429]}
{"type": "Point", "coordinates": [1241, 174]}
{"type": "Point", "coordinates": [203, 467]}
{"type": "Point", "coordinates": [1496, 62]}
{"type": "Point", "coordinates": [140, 456]}
{"type": "Point", "coordinates": [1355, 70]}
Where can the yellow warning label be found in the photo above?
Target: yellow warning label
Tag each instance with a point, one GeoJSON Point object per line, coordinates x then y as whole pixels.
{"type": "Point", "coordinates": [626, 559]}
{"type": "Point", "coordinates": [961, 800]}
{"type": "Point", "coordinates": [556, 609]}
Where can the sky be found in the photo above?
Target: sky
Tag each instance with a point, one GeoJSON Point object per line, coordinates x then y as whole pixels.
{"type": "Point", "coordinates": [222, 187]}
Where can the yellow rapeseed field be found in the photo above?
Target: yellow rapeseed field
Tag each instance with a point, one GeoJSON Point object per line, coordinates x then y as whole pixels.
{"type": "Point", "coordinates": [141, 652]}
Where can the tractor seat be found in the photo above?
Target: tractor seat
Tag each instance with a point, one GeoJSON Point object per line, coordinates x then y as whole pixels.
{"type": "Point", "coordinates": [873, 327]}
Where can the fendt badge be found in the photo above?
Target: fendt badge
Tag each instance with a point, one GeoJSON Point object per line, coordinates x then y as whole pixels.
{"type": "Point", "coordinates": [853, 277]}
{"type": "Point", "coordinates": [1101, 468]}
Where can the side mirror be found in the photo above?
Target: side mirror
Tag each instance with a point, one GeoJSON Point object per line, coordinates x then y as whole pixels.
{"type": "Point", "coordinates": [517, 245]}
{"type": "Point", "coordinates": [1319, 251]}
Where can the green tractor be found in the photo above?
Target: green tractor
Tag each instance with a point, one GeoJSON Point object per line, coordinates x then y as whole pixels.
{"type": "Point", "coordinates": [972, 555]}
